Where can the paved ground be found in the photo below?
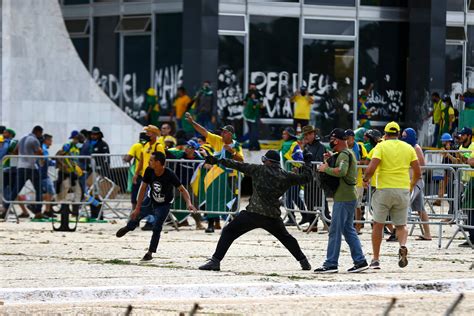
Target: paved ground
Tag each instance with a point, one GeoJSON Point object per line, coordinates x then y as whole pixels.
{"type": "Point", "coordinates": [33, 256]}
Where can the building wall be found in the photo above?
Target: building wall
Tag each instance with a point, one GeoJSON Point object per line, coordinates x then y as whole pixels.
{"type": "Point", "coordinates": [45, 82]}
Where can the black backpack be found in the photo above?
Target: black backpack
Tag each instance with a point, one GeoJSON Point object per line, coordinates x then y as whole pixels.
{"type": "Point", "coordinates": [329, 183]}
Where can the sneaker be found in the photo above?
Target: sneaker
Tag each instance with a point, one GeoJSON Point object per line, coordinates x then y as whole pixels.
{"type": "Point", "coordinates": [211, 265]}
{"type": "Point", "coordinates": [359, 267]}
{"type": "Point", "coordinates": [402, 257]}
{"type": "Point", "coordinates": [324, 269]}
{"type": "Point", "coordinates": [392, 238]}
{"type": "Point", "coordinates": [209, 230]}
{"type": "Point", "coordinates": [375, 264]}
{"type": "Point", "coordinates": [466, 244]}
{"type": "Point", "coordinates": [122, 231]}
{"type": "Point", "coordinates": [147, 257]}
{"type": "Point", "coordinates": [305, 265]}
{"type": "Point", "coordinates": [148, 226]}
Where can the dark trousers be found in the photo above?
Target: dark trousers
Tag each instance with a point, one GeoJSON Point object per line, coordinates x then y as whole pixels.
{"type": "Point", "coordinates": [293, 198]}
{"type": "Point", "coordinates": [135, 189]}
{"type": "Point", "coordinates": [436, 136]}
{"type": "Point", "coordinates": [160, 213]}
{"type": "Point", "coordinates": [23, 175]}
{"type": "Point", "coordinates": [253, 135]}
{"type": "Point", "coordinates": [247, 221]}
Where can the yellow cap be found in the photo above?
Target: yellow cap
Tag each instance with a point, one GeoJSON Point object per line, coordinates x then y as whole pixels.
{"type": "Point", "coordinates": [392, 127]}
{"type": "Point", "coordinates": [151, 92]}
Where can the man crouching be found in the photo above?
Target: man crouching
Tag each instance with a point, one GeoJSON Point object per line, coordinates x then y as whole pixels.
{"type": "Point", "coordinates": [269, 183]}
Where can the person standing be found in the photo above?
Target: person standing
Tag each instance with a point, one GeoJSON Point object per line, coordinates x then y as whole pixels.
{"type": "Point", "coordinates": [302, 112]}
{"type": "Point", "coordinates": [161, 181]}
{"type": "Point", "coordinates": [345, 199]}
{"type": "Point", "coordinates": [312, 195]}
{"type": "Point", "coordinates": [47, 186]}
{"type": "Point", "coordinates": [438, 107]}
{"type": "Point", "coordinates": [253, 103]}
{"type": "Point", "coordinates": [153, 110]}
{"type": "Point", "coordinates": [392, 158]}
{"type": "Point", "coordinates": [180, 106]}
{"type": "Point", "coordinates": [204, 109]}
{"type": "Point", "coordinates": [135, 153]}
{"type": "Point", "coordinates": [269, 183]}
{"type": "Point", "coordinates": [417, 198]}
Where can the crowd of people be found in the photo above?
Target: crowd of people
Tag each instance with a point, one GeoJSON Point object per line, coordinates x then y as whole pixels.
{"type": "Point", "coordinates": [393, 168]}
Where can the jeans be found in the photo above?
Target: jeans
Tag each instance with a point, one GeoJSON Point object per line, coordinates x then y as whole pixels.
{"type": "Point", "coordinates": [160, 214]}
{"type": "Point", "coordinates": [253, 135]}
{"type": "Point", "coordinates": [343, 224]}
{"type": "Point", "coordinates": [23, 175]}
{"type": "Point", "coordinates": [247, 221]}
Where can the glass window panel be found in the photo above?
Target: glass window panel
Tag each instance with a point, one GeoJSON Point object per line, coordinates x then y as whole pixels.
{"type": "Point", "coordinates": [78, 27]}
{"type": "Point", "coordinates": [82, 47]}
{"type": "Point", "coordinates": [105, 0]}
{"type": "Point", "coordinates": [455, 5]}
{"type": "Point", "coordinates": [106, 57]}
{"type": "Point", "coordinates": [168, 75]}
{"type": "Point", "coordinates": [385, 3]}
{"type": "Point", "coordinates": [453, 78]}
{"type": "Point", "coordinates": [294, 1]}
{"type": "Point", "coordinates": [328, 72]}
{"type": "Point", "coordinates": [136, 79]}
{"type": "Point", "coordinates": [383, 53]}
{"type": "Point", "coordinates": [231, 23]}
{"type": "Point", "coordinates": [134, 24]}
{"type": "Point", "coordinates": [331, 2]}
{"type": "Point", "coordinates": [330, 27]}
{"type": "Point", "coordinates": [230, 80]}
{"type": "Point", "coordinates": [470, 57]}
{"type": "Point", "coordinates": [455, 33]}
{"type": "Point", "coordinates": [274, 65]}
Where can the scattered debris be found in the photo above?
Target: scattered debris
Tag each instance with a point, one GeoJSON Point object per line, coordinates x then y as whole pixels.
{"type": "Point", "coordinates": [454, 305]}
{"type": "Point", "coordinates": [129, 310]}
{"type": "Point", "coordinates": [387, 310]}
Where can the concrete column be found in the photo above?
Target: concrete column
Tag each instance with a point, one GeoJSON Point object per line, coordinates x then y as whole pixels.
{"type": "Point", "coordinates": [426, 64]}
{"type": "Point", "coordinates": [200, 43]}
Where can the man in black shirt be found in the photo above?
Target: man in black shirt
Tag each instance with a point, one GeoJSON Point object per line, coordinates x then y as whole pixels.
{"type": "Point", "coordinates": [161, 182]}
{"type": "Point", "coordinates": [269, 183]}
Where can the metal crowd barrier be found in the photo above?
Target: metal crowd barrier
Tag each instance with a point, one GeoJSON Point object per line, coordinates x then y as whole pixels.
{"type": "Point", "coordinates": [438, 157]}
{"type": "Point", "coordinates": [213, 190]}
{"type": "Point", "coordinates": [465, 213]}
{"type": "Point", "coordinates": [37, 181]}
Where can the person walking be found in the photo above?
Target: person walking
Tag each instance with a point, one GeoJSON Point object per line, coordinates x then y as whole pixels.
{"type": "Point", "coordinates": [392, 158]}
{"type": "Point", "coordinates": [345, 199]}
{"type": "Point", "coordinates": [302, 111]}
{"type": "Point", "coordinates": [269, 183]}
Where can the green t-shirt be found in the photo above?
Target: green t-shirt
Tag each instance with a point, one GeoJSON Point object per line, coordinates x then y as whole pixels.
{"type": "Point", "coordinates": [251, 110]}
{"type": "Point", "coordinates": [348, 166]}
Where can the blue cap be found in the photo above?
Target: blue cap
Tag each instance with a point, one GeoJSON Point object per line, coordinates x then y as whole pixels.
{"type": "Point", "coordinates": [74, 134]}
{"type": "Point", "coordinates": [193, 144]}
{"type": "Point", "coordinates": [446, 137]}
{"type": "Point", "coordinates": [303, 88]}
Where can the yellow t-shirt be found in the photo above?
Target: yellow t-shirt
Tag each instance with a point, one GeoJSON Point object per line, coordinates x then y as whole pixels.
{"type": "Point", "coordinates": [360, 171]}
{"type": "Point", "coordinates": [148, 149]}
{"type": "Point", "coordinates": [136, 152]}
{"type": "Point", "coordinates": [181, 104]}
{"type": "Point", "coordinates": [394, 168]}
{"type": "Point", "coordinates": [437, 110]}
{"type": "Point", "coordinates": [302, 107]}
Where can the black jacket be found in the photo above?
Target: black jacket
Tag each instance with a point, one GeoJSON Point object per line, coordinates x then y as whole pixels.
{"type": "Point", "coordinates": [317, 150]}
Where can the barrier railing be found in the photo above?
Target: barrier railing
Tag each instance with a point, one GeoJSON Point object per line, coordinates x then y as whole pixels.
{"type": "Point", "coordinates": [450, 157]}
{"type": "Point", "coordinates": [465, 204]}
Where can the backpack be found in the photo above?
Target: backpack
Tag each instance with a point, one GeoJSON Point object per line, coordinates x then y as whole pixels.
{"type": "Point", "coordinates": [329, 183]}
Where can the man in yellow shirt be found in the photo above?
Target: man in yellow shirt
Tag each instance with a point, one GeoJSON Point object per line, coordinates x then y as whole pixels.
{"type": "Point", "coordinates": [393, 159]}
{"type": "Point", "coordinates": [180, 106]}
{"type": "Point", "coordinates": [438, 107]}
{"type": "Point", "coordinates": [135, 153]}
{"type": "Point", "coordinates": [302, 112]}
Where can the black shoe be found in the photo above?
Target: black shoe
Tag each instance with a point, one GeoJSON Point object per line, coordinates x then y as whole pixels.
{"type": "Point", "coordinates": [209, 230]}
{"type": "Point", "coordinates": [466, 244]}
{"type": "Point", "coordinates": [305, 265]}
{"type": "Point", "coordinates": [359, 267]}
{"type": "Point", "coordinates": [290, 223]}
{"type": "Point", "coordinates": [147, 257]}
{"type": "Point", "coordinates": [211, 265]}
{"type": "Point", "coordinates": [49, 214]}
{"type": "Point", "coordinates": [402, 257]}
{"type": "Point", "coordinates": [324, 269]}
{"type": "Point", "coordinates": [122, 231]}
{"type": "Point", "coordinates": [148, 226]}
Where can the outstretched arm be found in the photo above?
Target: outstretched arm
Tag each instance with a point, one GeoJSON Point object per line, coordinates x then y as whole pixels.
{"type": "Point", "coordinates": [248, 169]}
{"type": "Point", "coordinates": [302, 178]}
{"type": "Point", "coordinates": [201, 130]}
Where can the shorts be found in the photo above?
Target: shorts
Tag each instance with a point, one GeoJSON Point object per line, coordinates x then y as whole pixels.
{"type": "Point", "coordinates": [393, 202]}
{"type": "Point", "coordinates": [360, 196]}
{"type": "Point", "coordinates": [417, 201]}
{"type": "Point", "coordinates": [47, 186]}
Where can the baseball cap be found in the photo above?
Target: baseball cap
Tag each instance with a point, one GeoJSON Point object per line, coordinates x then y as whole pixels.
{"type": "Point", "coordinates": [271, 155]}
{"type": "Point", "coordinates": [193, 144]}
{"type": "Point", "coordinates": [392, 127]}
{"type": "Point", "coordinates": [74, 134]}
{"type": "Point", "coordinates": [349, 133]}
{"type": "Point", "coordinates": [465, 131]}
{"type": "Point", "coordinates": [228, 128]}
{"type": "Point", "coordinates": [338, 133]}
